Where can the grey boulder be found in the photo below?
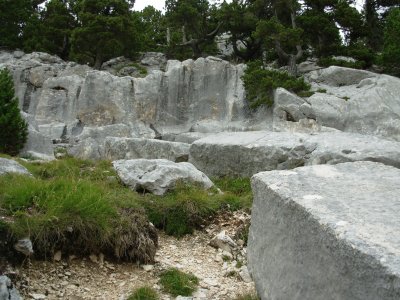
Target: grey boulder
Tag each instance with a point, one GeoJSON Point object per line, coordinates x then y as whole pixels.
{"type": "Point", "coordinates": [133, 148]}
{"type": "Point", "coordinates": [7, 290]}
{"type": "Point", "coordinates": [326, 232]}
{"type": "Point", "coordinates": [247, 153]}
{"type": "Point", "coordinates": [158, 175]}
{"type": "Point", "coordinates": [8, 166]}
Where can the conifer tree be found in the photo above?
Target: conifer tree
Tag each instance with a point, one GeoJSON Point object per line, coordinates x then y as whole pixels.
{"type": "Point", "coordinates": [13, 129]}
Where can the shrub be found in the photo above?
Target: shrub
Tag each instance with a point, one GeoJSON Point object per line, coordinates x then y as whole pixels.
{"type": "Point", "coordinates": [329, 61]}
{"type": "Point", "coordinates": [13, 129]}
{"type": "Point", "coordinates": [178, 283]}
{"type": "Point", "coordinates": [144, 293]}
{"type": "Point", "coordinates": [260, 84]}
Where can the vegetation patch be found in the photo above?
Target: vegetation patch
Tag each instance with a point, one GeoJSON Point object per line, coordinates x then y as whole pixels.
{"type": "Point", "coordinates": [188, 207]}
{"type": "Point", "coordinates": [144, 293]}
{"type": "Point", "coordinates": [248, 297]}
{"type": "Point", "coordinates": [71, 205]}
{"type": "Point", "coordinates": [178, 283]}
{"type": "Point", "coordinates": [79, 207]}
{"type": "Point", "coordinates": [329, 61]}
{"type": "Point", "coordinates": [260, 84]}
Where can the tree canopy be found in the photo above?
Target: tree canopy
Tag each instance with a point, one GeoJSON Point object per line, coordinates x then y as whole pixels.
{"type": "Point", "coordinates": [92, 31]}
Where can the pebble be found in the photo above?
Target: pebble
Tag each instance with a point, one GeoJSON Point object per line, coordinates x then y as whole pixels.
{"type": "Point", "coordinates": [57, 256]}
{"type": "Point", "coordinates": [38, 296]}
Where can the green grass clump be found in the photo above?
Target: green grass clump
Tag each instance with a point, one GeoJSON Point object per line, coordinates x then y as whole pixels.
{"type": "Point", "coordinates": [260, 84]}
{"type": "Point", "coordinates": [188, 207]}
{"type": "Point", "coordinates": [70, 205]}
{"type": "Point", "coordinates": [178, 283]}
{"type": "Point", "coordinates": [329, 61]}
{"type": "Point", "coordinates": [247, 297]}
{"type": "Point", "coordinates": [144, 293]}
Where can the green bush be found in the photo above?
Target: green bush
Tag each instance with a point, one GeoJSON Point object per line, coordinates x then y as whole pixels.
{"type": "Point", "coordinates": [178, 283]}
{"type": "Point", "coordinates": [13, 129]}
{"type": "Point", "coordinates": [260, 84]}
{"type": "Point", "coordinates": [329, 61]}
{"type": "Point", "coordinates": [144, 293]}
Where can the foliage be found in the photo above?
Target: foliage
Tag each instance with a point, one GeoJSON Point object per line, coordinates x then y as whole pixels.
{"type": "Point", "coordinates": [13, 16]}
{"type": "Point", "coordinates": [178, 283]}
{"type": "Point", "coordinates": [247, 297]}
{"type": "Point", "coordinates": [260, 84]}
{"type": "Point", "coordinates": [329, 61]}
{"type": "Point", "coordinates": [13, 129]}
{"type": "Point", "coordinates": [51, 32]}
{"type": "Point", "coordinates": [391, 48]}
{"type": "Point", "coordinates": [186, 208]}
{"type": "Point", "coordinates": [144, 293]}
{"type": "Point", "coordinates": [71, 205]}
{"type": "Point", "coordinates": [106, 30]}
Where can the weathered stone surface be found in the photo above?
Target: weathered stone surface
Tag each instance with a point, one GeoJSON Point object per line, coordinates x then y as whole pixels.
{"type": "Point", "coordinates": [247, 153]}
{"type": "Point", "coordinates": [11, 166]}
{"type": "Point", "coordinates": [38, 146]}
{"type": "Point", "coordinates": [158, 175]}
{"type": "Point", "coordinates": [326, 232]}
{"type": "Point", "coordinates": [7, 290]}
{"type": "Point", "coordinates": [132, 148]}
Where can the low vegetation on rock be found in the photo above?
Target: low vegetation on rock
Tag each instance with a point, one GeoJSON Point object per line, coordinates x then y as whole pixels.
{"type": "Point", "coordinates": [79, 207]}
{"type": "Point", "coordinates": [178, 283]}
{"type": "Point", "coordinates": [144, 293]}
{"type": "Point", "coordinates": [261, 82]}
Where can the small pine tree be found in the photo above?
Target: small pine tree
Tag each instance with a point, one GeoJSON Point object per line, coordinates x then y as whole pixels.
{"type": "Point", "coordinates": [13, 128]}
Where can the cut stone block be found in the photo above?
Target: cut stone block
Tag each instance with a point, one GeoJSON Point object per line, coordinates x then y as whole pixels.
{"type": "Point", "coordinates": [326, 232]}
{"type": "Point", "coordinates": [247, 153]}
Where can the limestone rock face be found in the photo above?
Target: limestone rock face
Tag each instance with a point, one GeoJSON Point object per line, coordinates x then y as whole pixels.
{"type": "Point", "coordinates": [326, 232]}
{"type": "Point", "coordinates": [11, 166]}
{"type": "Point", "coordinates": [247, 153]}
{"type": "Point", "coordinates": [158, 175]}
{"type": "Point", "coordinates": [353, 101]}
{"type": "Point", "coordinates": [133, 148]}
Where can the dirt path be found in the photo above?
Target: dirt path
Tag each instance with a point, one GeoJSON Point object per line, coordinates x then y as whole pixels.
{"type": "Point", "coordinates": [85, 279]}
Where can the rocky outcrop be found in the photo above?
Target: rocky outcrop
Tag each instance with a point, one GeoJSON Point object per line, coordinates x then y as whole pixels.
{"type": "Point", "coordinates": [125, 148]}
{"type": "Point", "coordinates": [158, 175]}
{"type": "Point", "coordinates": [326, 232]}
{"type": "Point", "coordinates": [346, 99]}
{"type": "Point", "coordinates": [247, 153]}
{"type": "Point", "coordinates": [7, 290]}
{"type": "Point", "coordinates": [8, 166]}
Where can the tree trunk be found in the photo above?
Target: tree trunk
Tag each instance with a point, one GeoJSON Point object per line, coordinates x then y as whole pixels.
{"type": "Point", "coordinates": [292, 66]}
{"type": "Point", "coordinates": [98, 61]}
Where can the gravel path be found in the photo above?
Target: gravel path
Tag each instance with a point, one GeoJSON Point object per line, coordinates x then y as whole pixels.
{"type": "Point", "coordinates": [220, 273]}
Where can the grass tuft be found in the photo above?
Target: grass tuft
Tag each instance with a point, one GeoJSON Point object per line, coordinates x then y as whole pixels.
{"type": "Point", "coordinates": [144, 293]}
{"type": "Point", "coordinates": [178, 283]}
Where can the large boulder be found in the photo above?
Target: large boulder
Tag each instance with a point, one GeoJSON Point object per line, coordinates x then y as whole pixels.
{"type": "Point", "coordinates": [7, 290]}
{"type": "Point", "coordinates": [347, 99]}
{"type": "Point", "coordinates": [8, 166]}
{"type": "Point", "coordinates": [326, 232]}
{"type": "Point", "coordinates": [132, 148]}
{"type": "Point", "coordinates": [247, 153]}
{"type": "Point", "coordinates": [158, 175]}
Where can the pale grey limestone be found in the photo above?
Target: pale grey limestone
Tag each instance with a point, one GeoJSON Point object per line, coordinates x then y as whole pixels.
{"type": "Point", "coordinates": [326, 232]}
{"type": "Point", "coordinates": [247, 153]}
{"type": "Point", "coordinates": [8, 166]}
{"type": "Point", "coordinates": [158, 175]}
